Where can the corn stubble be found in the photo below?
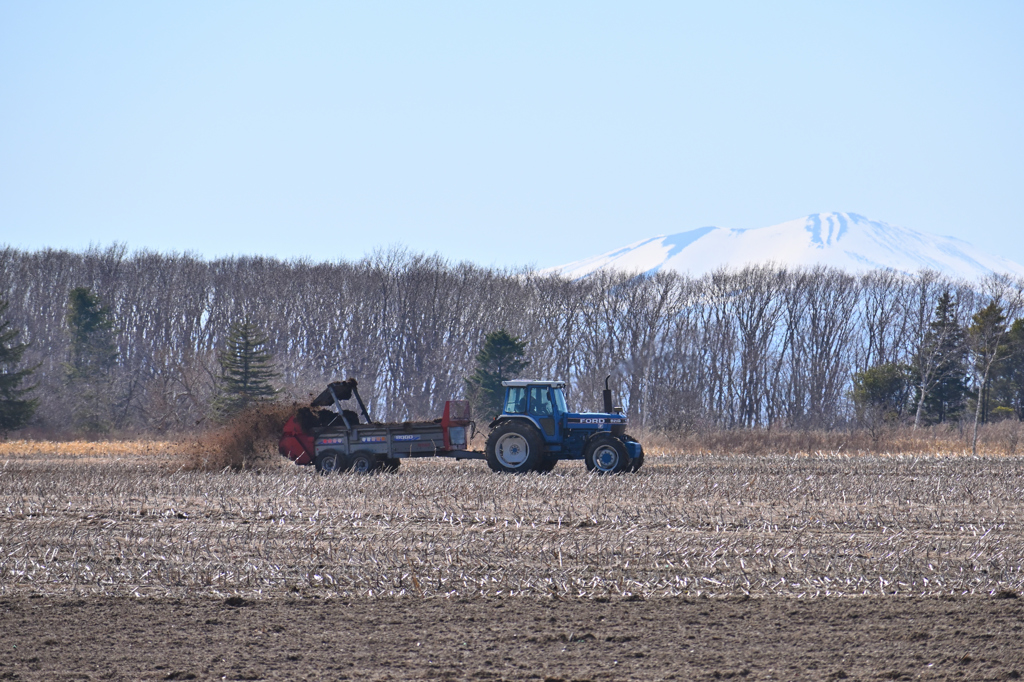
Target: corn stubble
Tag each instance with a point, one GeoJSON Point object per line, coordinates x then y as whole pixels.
{"type": "Point", "coordinates": [704, 525]}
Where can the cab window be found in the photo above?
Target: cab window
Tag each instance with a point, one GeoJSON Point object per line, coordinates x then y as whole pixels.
{"type": "Point", "coordinates": [515, 400]}
{"type": "Point", "coordinates": [559, 400]}
{"type": "Point", "coordinates": [540, 402]}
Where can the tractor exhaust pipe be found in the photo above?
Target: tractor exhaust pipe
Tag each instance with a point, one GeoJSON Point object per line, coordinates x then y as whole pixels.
{"type": "Point", "coordinates": [607, 396]}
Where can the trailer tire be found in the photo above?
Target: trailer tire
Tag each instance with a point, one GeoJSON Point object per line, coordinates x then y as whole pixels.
{"type": "Point", "coordinates": [390, 465]}
{"type": "Point", "coordinates": [363, 462]}
{"type": "Point", "coordinates": [330, 462]}
{"type": "Point", "coordinates": [514, 447]}
{"type": "Point", "coordinates": [606, 454]}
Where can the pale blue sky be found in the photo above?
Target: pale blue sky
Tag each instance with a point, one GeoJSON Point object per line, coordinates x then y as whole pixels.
{"type": "Point", "coordinates": [508, 134]}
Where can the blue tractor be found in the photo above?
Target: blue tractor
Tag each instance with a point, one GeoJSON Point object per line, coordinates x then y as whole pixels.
{"type": "Point", "coordinates": [535, 430]}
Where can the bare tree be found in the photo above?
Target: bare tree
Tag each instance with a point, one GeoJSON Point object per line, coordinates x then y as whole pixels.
{"type": "Point", "coordinates": [731, 349]}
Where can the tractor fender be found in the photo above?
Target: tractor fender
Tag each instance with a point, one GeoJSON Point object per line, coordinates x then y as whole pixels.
{"type": "Point", "coordinates": [599, 434]}
{"type": "Point", "coordinates": [501, 419]}
{"type": "Point", "coordinates": [633, 446]}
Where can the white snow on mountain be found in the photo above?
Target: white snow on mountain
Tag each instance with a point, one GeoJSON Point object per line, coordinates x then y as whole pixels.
{"type": "Point", "coordinates": [842, 240]}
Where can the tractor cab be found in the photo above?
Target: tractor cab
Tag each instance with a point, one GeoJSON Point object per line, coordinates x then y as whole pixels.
{"type": "Point", "coordinates": [541, 402]}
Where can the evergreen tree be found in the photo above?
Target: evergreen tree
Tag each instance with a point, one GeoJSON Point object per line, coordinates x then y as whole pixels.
{"type": "Point", "coordinates": [940, 367]}
{"type": "Point", "coordinates": [246, 371]}
{"type": "Point", "coordinates": [1007, 384]}
{"type": "Point", "coordinates": [501, 358]}
{"type": "Point", "coordinates": [93, 356]}
{"type": "Point", "coordinates": [987, 336]}
{"type": "Point", "coordinates": [15, 409]}
{"type": "Point", "coordinates": [881, 393]}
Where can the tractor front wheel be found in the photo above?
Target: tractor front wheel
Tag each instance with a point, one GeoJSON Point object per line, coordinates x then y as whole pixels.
{"type": "Point", "coordinates": [514, 447]}
{"type": "Point", "coordinates": [635, 464]}
{"type": "Point", "coordinates": [606, 455]}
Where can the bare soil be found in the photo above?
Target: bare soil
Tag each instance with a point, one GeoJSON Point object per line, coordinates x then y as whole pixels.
{"type": "Point", "coordinates": [50, 638]}
{"type": "Point", "coordinates": [114, 565]}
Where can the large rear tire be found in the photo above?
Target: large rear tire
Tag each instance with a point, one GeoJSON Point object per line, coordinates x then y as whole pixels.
{"type": "Point", "coordinates": [547, 465]}
{"type": "Point", "coordinates": [606, 454]}
{"type": "Point", "coordinates": [514, 447]}
{"type": "Point", "coordinates": [331, 462]}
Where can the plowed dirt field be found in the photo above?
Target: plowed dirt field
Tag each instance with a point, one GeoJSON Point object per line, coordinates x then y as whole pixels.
{"type": "Point", "coordinates": [126, 567]}
{"type": "Point", "coordinates": [773, 638]}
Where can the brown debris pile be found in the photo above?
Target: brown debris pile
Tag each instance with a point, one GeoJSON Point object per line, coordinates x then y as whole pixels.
{"type": "Point", "coordinates": [247, 441]}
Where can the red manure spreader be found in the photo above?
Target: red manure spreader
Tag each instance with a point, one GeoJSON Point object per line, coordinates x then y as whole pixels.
{"type": "Point", "coordinates": [335, 440]}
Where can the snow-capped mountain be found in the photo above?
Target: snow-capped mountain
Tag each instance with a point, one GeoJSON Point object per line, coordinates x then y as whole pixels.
{"type": "Point", "coordinates": [842, 240]}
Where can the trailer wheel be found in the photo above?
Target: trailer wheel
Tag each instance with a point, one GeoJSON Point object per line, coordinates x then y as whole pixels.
{"type": "Point", "coordinates": [330, 462]}
{"type": "Point", "coordinates": [514, 447]}
{"type": "Point", "coordinates": [390, 465]}
{"type": "Point", "coordinates": [364, 462]}
{"type": "Point", "coordinates": [606, 455]}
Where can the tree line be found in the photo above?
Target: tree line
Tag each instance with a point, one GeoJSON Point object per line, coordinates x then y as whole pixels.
{"type": "Point", "coordinates": [759, 347]}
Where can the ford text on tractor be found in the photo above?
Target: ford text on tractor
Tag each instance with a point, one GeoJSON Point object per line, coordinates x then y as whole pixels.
{"type": "Point", "coordinates": [534, 431]}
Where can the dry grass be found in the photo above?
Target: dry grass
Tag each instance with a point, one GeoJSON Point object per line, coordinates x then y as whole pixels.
{"type": "Point", "coordinates": [248, 441]}
{"type": "Point", "coordinates": [86, 452]}
{"type": "Point", "coordinates": [696, 525]}
{"type": "Point", "coordinates": [1003, 438]}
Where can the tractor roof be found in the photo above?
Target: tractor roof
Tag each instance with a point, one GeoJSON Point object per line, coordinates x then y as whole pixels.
{"type": "Point", "coordinates": [534, 382]}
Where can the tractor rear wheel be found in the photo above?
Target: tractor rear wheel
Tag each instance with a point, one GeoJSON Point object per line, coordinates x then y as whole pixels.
{"type": "Point", "coordinates": [330, 462]}
{"type": "Point", "coordinates": [547, 465]}
{"type": "Point", "coordinates": [606, 454]}
{"type": "Point", "coordinates": [364, 462]}
{"type": "Point", "coordinates": [514, 447]}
